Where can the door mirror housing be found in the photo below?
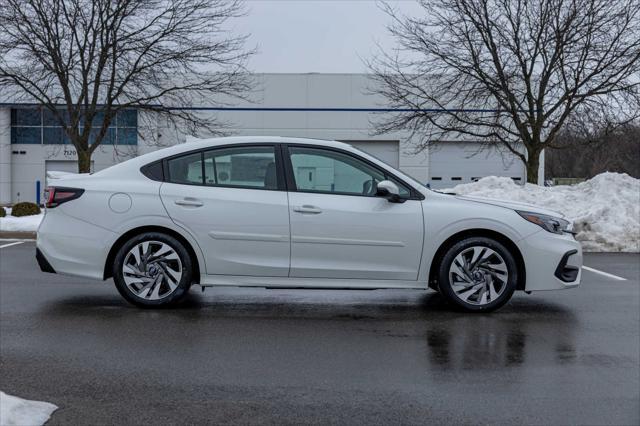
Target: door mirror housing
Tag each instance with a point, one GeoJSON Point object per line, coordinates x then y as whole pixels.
{"type": "Point", "coordinates": [390, 191]}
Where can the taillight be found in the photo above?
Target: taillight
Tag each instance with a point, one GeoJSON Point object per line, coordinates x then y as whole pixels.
{"type": "Point", "coordinates": [55, 195]}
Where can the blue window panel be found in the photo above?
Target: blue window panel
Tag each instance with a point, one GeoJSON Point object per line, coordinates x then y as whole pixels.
{"type": "Point", "coordinates": [127, 136]}
{"type": "Point", "coordinates": [54, 136]}
{"type": "Point", "coordinates": [26, 117]}
{"type": "Point", "coordinates": [49, 119]}
{"type": "Point", "coordinates": [28, 135]}
{"type": "Point", "coordinates": [98, 119]}
{"type": "Point", "coordinates": [128, 118]}
{"type": "Point", "coordinates": [108, 139]}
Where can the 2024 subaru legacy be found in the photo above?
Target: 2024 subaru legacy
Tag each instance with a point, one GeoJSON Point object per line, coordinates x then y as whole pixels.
{"type": "Point", "coordinates": [294, 213]}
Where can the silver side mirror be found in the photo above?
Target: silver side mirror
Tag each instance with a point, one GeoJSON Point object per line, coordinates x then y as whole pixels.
{"type": "Point", "coordinates": [390, 191]}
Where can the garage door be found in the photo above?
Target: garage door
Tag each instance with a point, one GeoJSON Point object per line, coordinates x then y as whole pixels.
{"type": "Point", "coordinates": [455, 163]}
{"type": "Point", "coordinates": [387, 151]}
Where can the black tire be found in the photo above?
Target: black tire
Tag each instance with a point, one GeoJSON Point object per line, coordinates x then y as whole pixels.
{"type": "Point", "coordinates": [446, 287]}
{"type": "Point", "coordinates": [183, 284]}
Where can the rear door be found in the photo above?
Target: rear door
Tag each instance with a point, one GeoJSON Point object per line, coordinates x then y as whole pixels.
{"type": "Point", "coordinates": [339, 228]}
{"type": "Point", "coordinates": [232, 200]}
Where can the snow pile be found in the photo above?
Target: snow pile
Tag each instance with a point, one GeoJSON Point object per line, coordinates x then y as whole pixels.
{"type": "Point", "coordinates": [22, 412]}
{"type": "Point", "coordinates": [605, 210]}
{"type": "Point", "coordinates": [20, 224]}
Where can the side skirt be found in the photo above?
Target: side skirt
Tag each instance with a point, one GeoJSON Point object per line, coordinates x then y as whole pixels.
{"type": "Point", "coordinates": [309, 283]}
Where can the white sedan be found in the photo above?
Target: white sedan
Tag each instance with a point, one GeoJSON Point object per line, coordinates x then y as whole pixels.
{"type": "Point", "coordinates": [294, 213]}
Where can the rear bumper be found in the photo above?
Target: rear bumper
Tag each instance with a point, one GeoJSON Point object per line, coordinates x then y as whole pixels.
{"type": "Point", "coordinates": [44, 264]}
{"type": "Point", "coordinates": [69, 246]}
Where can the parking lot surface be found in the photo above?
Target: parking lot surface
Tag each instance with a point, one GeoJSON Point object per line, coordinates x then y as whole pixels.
{"type": "Point", "coordinates": [327, 357]}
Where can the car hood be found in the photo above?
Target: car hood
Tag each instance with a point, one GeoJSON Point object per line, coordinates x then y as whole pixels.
{"type": "Point", "coordinates": [513, 205]}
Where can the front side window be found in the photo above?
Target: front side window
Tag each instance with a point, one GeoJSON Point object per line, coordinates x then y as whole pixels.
{"type": "Point", "coordinates": [321, 170]}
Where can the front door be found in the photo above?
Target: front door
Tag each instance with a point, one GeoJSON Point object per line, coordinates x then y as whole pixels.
{"type": "Point", "coordinates": [232, 201]}
{"type": "Point", "coordinates": [340, 229]}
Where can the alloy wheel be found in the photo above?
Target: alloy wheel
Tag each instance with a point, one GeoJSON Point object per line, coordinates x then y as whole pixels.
{"type": "Point", "coordinates": [152, 270]}
{"type": "Point", "coordinates": [478, 275]}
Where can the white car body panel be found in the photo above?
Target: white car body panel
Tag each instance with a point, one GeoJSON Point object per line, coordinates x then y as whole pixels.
{"type": "Point", "coordinates": [241, 232]}
{"type": "Point", "coordinates": [511, 205]}
{"type": "Point", "coordinates": [355, 237]}
{"type": "Point", "coordinates": [249, 237]}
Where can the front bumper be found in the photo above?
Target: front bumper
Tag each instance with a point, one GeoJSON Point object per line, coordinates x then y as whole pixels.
{"type": "Point", "coordinates": [565, 272]}
{"type": "Point", "coordinates": [552, 261]}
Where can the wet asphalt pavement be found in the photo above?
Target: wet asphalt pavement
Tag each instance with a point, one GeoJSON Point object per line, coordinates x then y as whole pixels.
{"type": "Point", "coordinates": [324, 357]}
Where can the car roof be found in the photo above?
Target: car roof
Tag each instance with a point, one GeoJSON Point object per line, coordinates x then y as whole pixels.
{"type": "Point", "coordinates": [131, 168]}
{"type": "Point", "coordinates": [193, 144]}
{"type": "Point", "coordinates": [210, 142]}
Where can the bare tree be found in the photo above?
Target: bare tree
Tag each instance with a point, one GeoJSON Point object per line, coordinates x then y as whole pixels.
{"type": "Point", "coordinates": [86, 60]}
{"type": "Point", "coordinates": [510, 73]}
{"type": "Point", "coordinates": [604, 150]}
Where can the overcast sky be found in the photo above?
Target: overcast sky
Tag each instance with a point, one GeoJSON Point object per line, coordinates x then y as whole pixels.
{"type": "Point", "coordinates": [315, 35]}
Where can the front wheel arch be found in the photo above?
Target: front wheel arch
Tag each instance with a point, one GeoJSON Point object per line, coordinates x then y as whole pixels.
{"type": "Point", "coordinates": [107, 273]}
{"type": "Point", "coordinates": [503, 239]}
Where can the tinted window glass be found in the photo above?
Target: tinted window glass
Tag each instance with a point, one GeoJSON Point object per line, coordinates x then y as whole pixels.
{"type": "Point", "coordinates": [50, 119]}
{"type": "Point", "coordinates": [128, 136]}
{"type": "Point", "coordinates": [319, 170]}
{"type": "Point", "coordinates": [153, 171]}
{"type": "Point", "coordinates": [186, 169]}
{"type": "Point", "coordinates": [30, 135]}
{"type": "Point", "coordinates": [329, 171]}
{"type": "Point", "coordinates": [127, 118]}
{"type": "Point", "coordinates": [54, 135]}
{"type": "Point", "coordinates": [250, 167]}
{"type": "Point", "coordinates": [26, 117]}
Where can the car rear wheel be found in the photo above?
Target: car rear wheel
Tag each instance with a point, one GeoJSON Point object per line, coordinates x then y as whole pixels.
{"type": "Point", "coordinates": [478, 274]}
{"type": "Point", "coordinates": [152, 270]}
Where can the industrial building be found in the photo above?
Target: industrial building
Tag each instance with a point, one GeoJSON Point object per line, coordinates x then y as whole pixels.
{"type": "Point", "coordinates": [323, 106]}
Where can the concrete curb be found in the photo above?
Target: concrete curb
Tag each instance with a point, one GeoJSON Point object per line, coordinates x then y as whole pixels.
{"type": "Point", "coordinates": [11, 235]}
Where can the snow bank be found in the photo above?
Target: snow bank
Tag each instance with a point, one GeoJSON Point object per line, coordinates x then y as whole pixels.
{"type": "Point", "coordinates": [21, 412]}
{"type": "Point", "coordinates": [20, 224]}
{"type": "Point", "coordinates": [605, 210]}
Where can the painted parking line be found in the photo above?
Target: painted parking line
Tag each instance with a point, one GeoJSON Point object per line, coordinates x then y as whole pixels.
{"type": "Point", "coordinates": [11, 244]}
{"type": "Point", "coordinates": [606, 274]}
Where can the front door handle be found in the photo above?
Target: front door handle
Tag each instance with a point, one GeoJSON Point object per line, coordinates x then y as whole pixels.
{"type": "Point", "coordinates": [307, 209]}
{"type": "Point", "coordinates": [189, 202]}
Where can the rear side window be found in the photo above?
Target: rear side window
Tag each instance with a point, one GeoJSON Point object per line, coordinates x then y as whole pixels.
{"type": "Point", "coordinates": [236, 167]}
{"type": "Point", "coordinates": [247, 167]}
{"type": "Point", "coordinates": [186, 169]}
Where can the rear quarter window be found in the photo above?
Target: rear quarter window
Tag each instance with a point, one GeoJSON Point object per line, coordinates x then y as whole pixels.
{"type": "Point", "coordinates": [153, 171]}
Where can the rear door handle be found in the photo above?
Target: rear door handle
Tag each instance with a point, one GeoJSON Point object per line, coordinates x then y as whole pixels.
{"type": "Point", "coordinates": [189, 202]}
{"type": "Point", "coordinates": [307, 209]}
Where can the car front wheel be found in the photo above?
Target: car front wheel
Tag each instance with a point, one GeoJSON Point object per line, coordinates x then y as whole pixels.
{"type": "Point", "coordinates": [152, 270]}
{"type": "Point", "coordinates": [478, 274]}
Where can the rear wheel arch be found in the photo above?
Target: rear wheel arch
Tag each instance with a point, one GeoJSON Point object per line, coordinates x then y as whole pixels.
{"type": "Point", "coordinates": [506, 241]}
{"type": "Point", "coordinates": [107, 273]}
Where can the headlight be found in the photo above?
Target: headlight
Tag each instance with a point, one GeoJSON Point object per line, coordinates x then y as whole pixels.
{"type": "Point", "coordinates": [549, 223]}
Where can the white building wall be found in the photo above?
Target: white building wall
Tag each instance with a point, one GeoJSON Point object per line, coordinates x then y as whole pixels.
{"type": "Point", "coordinates": [309, 93]}
{"type": "Point", "coordinates": [5, 156]}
